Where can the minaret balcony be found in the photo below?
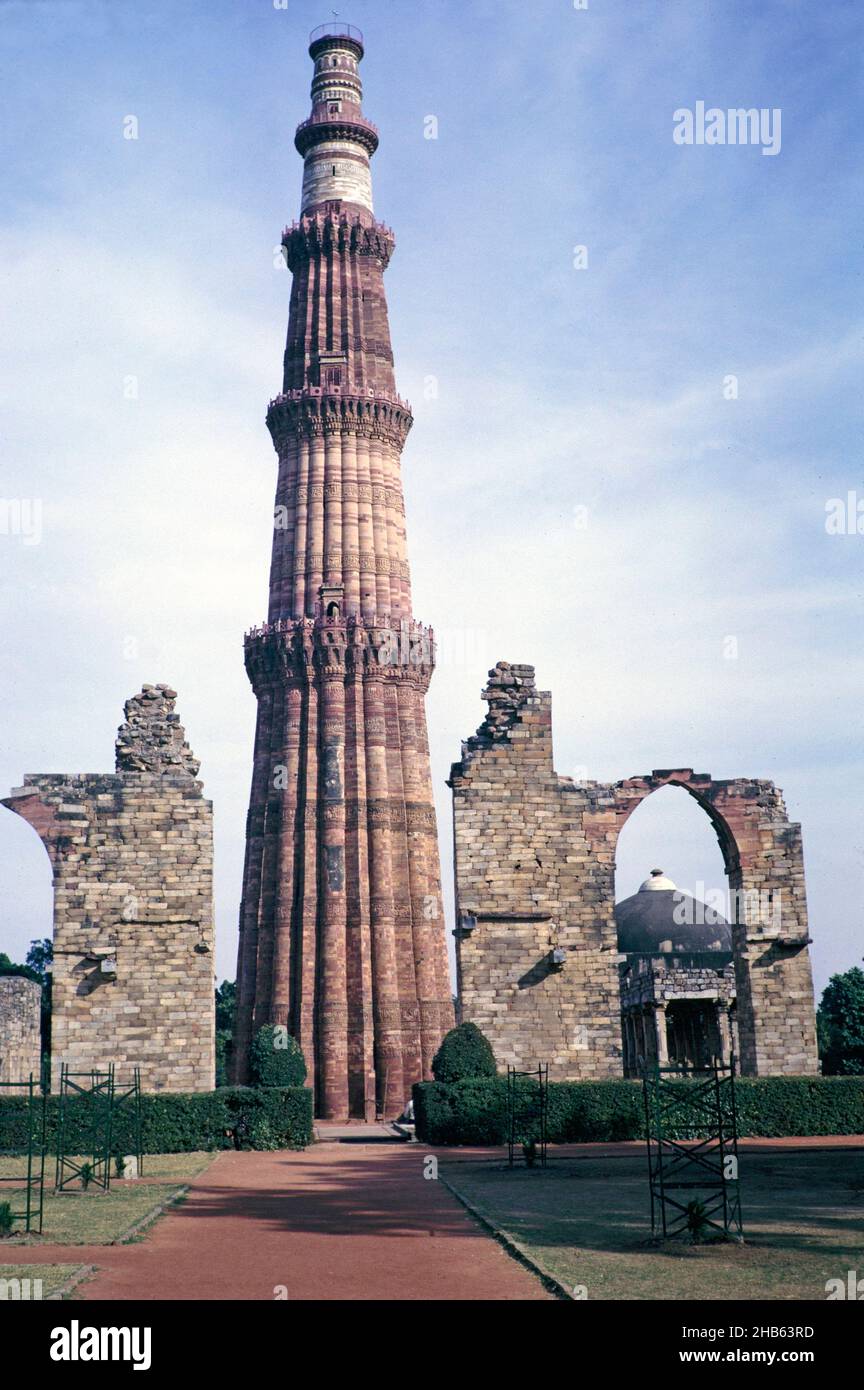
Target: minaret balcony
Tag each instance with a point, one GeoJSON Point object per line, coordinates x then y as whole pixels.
{"type": "Point", "coordinates": [318, 410]}
{"type": "Point", "coordinates": [322, 126]}
{"type": "Point", "coordinates": [397, 648]}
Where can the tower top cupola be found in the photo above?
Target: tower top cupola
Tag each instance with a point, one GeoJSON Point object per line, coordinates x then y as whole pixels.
{"type": "Point", "coordinates": [336, 140]}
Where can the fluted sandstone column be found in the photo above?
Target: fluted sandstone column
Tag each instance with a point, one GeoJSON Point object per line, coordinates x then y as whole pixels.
{"type": "Point", "coordinates": [342, 938]}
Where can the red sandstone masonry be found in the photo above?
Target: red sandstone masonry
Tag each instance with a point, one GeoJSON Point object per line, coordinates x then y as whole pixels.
{"type": "Point", "coordinates": [342, 928]}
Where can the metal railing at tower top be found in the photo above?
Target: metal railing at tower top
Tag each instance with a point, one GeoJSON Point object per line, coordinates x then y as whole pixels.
{"type": "Point", "coordinates": [336, 31]}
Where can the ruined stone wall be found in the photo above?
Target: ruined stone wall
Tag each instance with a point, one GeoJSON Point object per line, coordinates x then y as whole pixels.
{"type": "Point", "coordinates": [20, 1046]}
{"type": "Point", "coordinates": [535, 866]}
{"type": "Point", "coordinates": [526, 871]}
{"type": "Point", "coordinates": [133, 905]}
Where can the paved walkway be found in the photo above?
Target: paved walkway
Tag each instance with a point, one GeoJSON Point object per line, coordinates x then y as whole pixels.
{"type": "Point", "coordinates": [339, 1221]}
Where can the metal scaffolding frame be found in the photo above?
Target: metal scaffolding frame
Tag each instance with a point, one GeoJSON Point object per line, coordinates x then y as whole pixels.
{"type": "Point", "coordinates": [32, 1182]}
{"type": "Point", "coordinates": [101, 1091]}
{"type": "Point", "coordinates": [703, 1101]}
{"type": "Point", "coordinates": [527, 1110]}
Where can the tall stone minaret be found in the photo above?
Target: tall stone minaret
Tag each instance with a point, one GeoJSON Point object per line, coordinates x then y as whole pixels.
{"type": "Point", "coordinates": [341, 928]}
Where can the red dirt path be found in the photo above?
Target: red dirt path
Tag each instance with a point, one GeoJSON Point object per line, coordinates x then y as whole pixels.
{"type": "Point", "coordinates": [339, 1221]}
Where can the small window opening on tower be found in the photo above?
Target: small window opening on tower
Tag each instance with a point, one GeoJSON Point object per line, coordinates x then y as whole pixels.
{"type": "Point", "coordinates": [335, 107]}
{"type": "Point", "coordinates": [332, 610]}
{"type": "Point", "coordinates": [334, 170]}
{"type": "Point", "coordinates": [334, 376]}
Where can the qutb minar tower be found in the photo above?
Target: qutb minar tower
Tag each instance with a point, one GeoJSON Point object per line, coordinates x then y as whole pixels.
{"type": "Point", "coordinates": [341, 927]}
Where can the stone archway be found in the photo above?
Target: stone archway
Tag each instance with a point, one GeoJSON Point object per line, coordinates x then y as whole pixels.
{"type": "Point", "coordinates": [28, 900]}
{"type": "Point", "coordinates": [535, 888]}
{"type": "Point", "coordinates": [764, 864]}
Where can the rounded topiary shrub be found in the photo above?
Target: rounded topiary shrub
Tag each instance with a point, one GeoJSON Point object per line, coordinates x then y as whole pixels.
{"type": "Point", "coordinates": [465, 1054]}
{"type": "Point", "coordinates": [275, 1058]}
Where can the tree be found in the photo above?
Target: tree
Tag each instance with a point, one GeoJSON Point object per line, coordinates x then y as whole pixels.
{"type": "Point", "coordinates": [226, 1001]}
{"type": "Point", "coordinates": [840, 1024]}
{"type": "Point", "coordinates": [40, 959]}
{"type": "Point", "coordinates": [275, 1058]}
{"type": "Point", "coordinates": [11, 967]}
{"type": "Point", "coordinates": [464, 1053]}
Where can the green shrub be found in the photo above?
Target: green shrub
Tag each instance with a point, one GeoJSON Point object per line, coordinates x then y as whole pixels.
{"type": "Point", "coordinates": [465, 1054]}
{"type": "Point", "coordinates": [268, 1117]}
{"type": "Point", "coordinates": [696, 1214]}
{"type": "Point", "coordinates": [240, 1116]}
{"type": "Point", "coordinates": [475, 1112]}
{"type": "Point", "coordinates": [461, 1112]}
{"type": "Point", "coordinates": [770, 1106]}
{"type": "Point", "coordinates": [586, 1111]}
{"type": "Point", "coordinates": [6, 1218]}
{"type": "Point", "coordinates": [275, 1058]}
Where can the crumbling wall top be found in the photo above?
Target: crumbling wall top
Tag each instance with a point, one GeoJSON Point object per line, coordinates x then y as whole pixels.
{"type": "Point", "coordinates": [508, 690]}
{"type": "Point", "coordinates": [152, 738]}
{"type": "Point", "coordinates": [512, 696]}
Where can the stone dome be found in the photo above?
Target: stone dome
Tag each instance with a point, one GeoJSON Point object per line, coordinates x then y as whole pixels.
{"type": "Point", "coordinates": [660, 918]}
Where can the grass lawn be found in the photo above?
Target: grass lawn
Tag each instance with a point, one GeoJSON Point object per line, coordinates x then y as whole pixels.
{"type": "Point", "coordinates": [94, 1217]}
{"type": "Point", "coordinates": [53, 1276]}
{"type": "Point", "coordinates": [588, 1222]}
{"type": "Point", "coordinates": [179, 1166]}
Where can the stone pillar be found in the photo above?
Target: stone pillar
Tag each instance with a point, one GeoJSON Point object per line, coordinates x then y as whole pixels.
{"type": "Point", "coordinates": [660, 1034]}
{"type": "Point", "coordinates": [724, 1028]}
{"type": "Point", "coordinates": [649, 1047]}
{"type": "Point", "coordinates": [627, 1057]}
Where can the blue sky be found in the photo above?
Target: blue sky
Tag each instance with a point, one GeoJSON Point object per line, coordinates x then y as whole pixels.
{"type": "Point", "coordinates": [581, 494]}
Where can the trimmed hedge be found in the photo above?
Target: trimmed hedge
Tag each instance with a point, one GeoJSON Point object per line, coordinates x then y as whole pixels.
{"type": "Point", "coordinates": [475, 1112]}
{"type": "Point", "coordinates": [275, 1058]}
{"type": "Point", "coordinates": [249, 1117]}
{"type": "Point", "coordinates": [774, 1106]}
{"type": "Point", "coordinates": [465, 1054]}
